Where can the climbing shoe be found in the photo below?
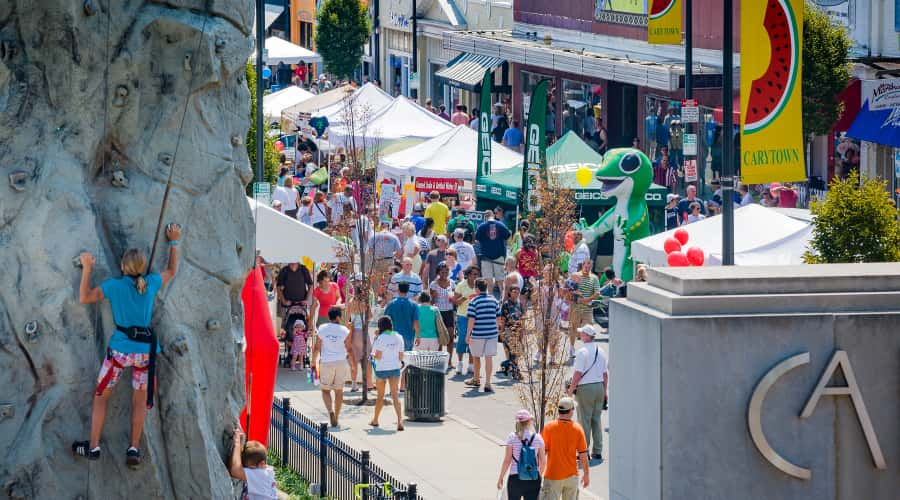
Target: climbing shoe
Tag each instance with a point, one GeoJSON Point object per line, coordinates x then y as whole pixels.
{"type": "Point", "coordinates": [83, 449]}
{"type": "Point", "coordinates": [133, 457]}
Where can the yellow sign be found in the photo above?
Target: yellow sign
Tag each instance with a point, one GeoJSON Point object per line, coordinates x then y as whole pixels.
{"type": "Point", "coordinates": [664, 22]}
{"type": "Point", "coordinates": [629, 6]}
{"type": "Point", "coordinates": [771, 146]}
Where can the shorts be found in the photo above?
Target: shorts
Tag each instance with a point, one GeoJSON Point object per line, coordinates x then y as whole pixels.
{"type": "Point", "coordinates": [556, 489]}
{"type": "Point", "coordinates": [579, 318]}
{"type": "Point", "coordinates": [386, 374]}
{"type": "Point", "coordinates": [462, 325]}
{"type": "Point", "coordinates": [333, 376]}
{"type": "Point", "coordinates": [138, 375]}
{"type": "Point", "coordinates": [448, 316]}
{"type": "Point", "coordinates": [429, 345]}
{"type": "Point", "coordinates": [493, 268]}
{"type": "Point", "coordinates": [483, 347]}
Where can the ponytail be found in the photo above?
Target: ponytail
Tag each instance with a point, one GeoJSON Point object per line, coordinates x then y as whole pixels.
{"type": "Point", "coordinates": [141, 284]}
{"type": "Point", "coordinates": [133, 264]}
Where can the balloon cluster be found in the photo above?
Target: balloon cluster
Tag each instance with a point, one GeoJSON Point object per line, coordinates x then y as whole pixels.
{"type": "Point", "coordinates": [676, 257]}
{"type": "Point", "coordinates": [279, 146]}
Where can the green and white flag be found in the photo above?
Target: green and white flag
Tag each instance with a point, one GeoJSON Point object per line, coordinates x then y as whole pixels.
{"type": "Point", "coordinates": [484, 128]}
{"type": "Point", "coordinates": [534, 172]}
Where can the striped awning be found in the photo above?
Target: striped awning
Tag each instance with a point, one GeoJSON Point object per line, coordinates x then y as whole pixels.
{"type": "Point", "coordinates": [467, 70]}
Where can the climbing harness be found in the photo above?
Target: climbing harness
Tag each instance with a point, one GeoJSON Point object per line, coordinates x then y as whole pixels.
{"type": "Point", "coordinates": [143, 335]}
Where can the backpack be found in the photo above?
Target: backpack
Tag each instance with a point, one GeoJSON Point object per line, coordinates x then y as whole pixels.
{"type": "Point", "coordinates": [527, 462]}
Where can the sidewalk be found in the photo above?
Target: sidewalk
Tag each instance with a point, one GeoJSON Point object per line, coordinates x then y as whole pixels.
{"type": "Point", "coordinates": [452, 459]}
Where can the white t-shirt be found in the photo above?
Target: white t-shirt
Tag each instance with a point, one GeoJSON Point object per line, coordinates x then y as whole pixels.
{"type": "Point", "coordinates": [580, 253]}
{"type": "Point", "coordinates": [584, 358]}
{"type": "Point", "coordinates": [390, 345]}
{"type": "Point", "coordinates": [332, 336]}
{"type": "Point", "coordinates": [337, 206]}
{"type": "Point", "coordinates": [318, 213]}
{"type": "Point", "coordinates": [261, 484]}
{"type": "Point", "coordinates": [516, 443]}
{"type": "Point", "coordinates": [465, 254]}
{"type": "Point", "coordinates": [287, 197]}
{"type": "Point", "coordinates": [310, 169]}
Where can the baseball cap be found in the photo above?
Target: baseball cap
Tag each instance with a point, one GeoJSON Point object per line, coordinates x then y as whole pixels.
{"type": "Point", "coordinates": [671, 196]}
{"type": "Point", "coordinates": [418, 207]}
{"type": "Point", "coordinates": [588, 330]}
{"type": "Point", "coordinates": [524, 416]}
{"type": "Point", "coordinates": [566, 404]}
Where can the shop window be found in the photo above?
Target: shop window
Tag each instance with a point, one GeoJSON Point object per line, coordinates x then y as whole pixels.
{"type": "Point", "coordinates": [306, 35]}
{"type": "Point", "coordinates": [581, 104]}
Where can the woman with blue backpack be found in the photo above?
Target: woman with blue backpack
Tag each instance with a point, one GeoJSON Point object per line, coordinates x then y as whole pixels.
{"type": "Point", "coordinates": [524, 460]}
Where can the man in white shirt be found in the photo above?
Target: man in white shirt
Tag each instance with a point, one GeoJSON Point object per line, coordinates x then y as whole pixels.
{"type": "Point", "coordinates": [465, 252]}
{"type": "Point", "coordinates": [590, 379]}
{"type": "Point", "coordinates": [288, 197]}
{"type": "Point", "coordinates": [332, 347]}
{"type": "Point", "coordinates": [339, 201]}
{"type": "Point", "coordinates": [580, 253]}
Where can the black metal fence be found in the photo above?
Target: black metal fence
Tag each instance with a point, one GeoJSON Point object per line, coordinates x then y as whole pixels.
{"type": "Point", "coordinates": [307, 448]}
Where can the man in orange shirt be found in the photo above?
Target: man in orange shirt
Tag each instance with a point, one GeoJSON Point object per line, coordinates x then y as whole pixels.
{"type": "Point", "coordinates": [565, 445]}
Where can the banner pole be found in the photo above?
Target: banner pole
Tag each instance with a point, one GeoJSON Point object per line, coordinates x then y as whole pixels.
{"type": "Point", "coordinates": [727, 180]}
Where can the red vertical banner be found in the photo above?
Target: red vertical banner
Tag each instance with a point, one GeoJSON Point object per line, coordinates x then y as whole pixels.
{"type": "Point", "coordinates": [260, 359]}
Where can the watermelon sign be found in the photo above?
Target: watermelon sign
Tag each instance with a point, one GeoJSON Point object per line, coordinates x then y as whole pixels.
{"type": "Point", "coordinates": [772, 148]}
{"type": "Point", "coordinates": [664, 22]}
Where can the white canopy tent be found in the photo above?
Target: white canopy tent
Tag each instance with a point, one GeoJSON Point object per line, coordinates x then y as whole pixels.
{"type": "Point", "coordinates": [402, 119]}
{"type": "Point", "coordinates": [281, 239]}
{"type": "Point", "coordinates": [366, 101]}
{"type": "Point", "coordinates": [276, 102]}
{"type": "Point", "coordinates": [762, 236]}
{"type": "Point", "coordinates": [451, 155]}
{"type": "Point", "coordinates": [280, 50]}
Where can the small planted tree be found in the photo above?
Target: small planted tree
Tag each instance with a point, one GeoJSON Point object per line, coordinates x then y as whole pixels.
{"type": "Point", "coordinates": [342, 28]}
{"type": "Point", "coordinates": [826, 70]}
{"type": "Point", "coordinates": [857, 222]}
{"type": "Point", "coordinates": [270, 155]}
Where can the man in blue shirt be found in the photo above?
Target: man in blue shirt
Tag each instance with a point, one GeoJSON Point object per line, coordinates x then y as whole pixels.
{"type": "Point", "coordinates": [405, 315]}
{"type": "Point", "coordinates": [491, 235]}
{"type": "Point", "coordinates": [482, 334]}
{"type": "Point", "coordinates": [416, 217]}
{"type": "Point", "coordinates": [513, 137]}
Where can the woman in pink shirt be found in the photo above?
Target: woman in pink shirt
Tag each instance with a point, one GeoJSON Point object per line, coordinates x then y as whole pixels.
{"type": "Point", "coordinates": [325, 295]}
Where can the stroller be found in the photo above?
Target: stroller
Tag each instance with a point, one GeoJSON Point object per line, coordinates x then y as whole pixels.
{"type": "Point", "coordinates": [294, 335]}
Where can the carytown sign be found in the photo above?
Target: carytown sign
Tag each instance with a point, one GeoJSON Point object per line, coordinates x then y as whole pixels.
{"type": "Point", "coordinates": [754, 410]}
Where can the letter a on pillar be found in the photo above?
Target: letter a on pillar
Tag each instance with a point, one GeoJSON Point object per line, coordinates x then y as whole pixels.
{"type": "Point", "coordinates": [841, 360]}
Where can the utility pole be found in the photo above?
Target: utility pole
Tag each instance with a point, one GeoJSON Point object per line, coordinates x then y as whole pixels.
{"type": "Point", "coordinates": [727, 178]}
{"type": "Point", "coordinates": [260, 50]}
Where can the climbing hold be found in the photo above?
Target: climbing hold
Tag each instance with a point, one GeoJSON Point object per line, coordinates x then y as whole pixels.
{"type": "Point", "coordinates": [237, 141]}
{"type": "Point", "coordinates": [18, 180]}
{"type": "Point", "coordinates": [213, 325]}
{"type": "Point", "coordinates": [89, 8]}
{"type": "Point", "coordinates": [220, 45]}
{"type": "Point", "coordinates": [180, 346]}
{"type": "Point", "coordinates": [166, 159]}
{"type": "Point", "coordinates": [239, 247]}
{"type": "Point", "coordinates": [31, 331]}
{"type": "Point", "coordinates": [119, 180]}
{"type": "Point", "coordinates": [121, 96]}
{"type": "Point", "coordinates": [76, 261]}
{"type": "Point", "coordinates": [7, 411]}
{"type": "Point", "coordinates": [7, 50]}
{"type": "Point", "coordinates": [186, 63]}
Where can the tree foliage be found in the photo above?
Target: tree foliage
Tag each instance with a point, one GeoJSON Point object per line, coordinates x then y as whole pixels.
{"type": "Point", "coordinates": [270, 155]}
{"type": "Point", "coordinates": [342, 27]}
{"type": "Point", "coordinates": [826, 70]}
{"type": "Point", "coordinates": [857, 222]}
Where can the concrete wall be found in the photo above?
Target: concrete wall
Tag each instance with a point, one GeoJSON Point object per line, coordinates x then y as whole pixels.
{"type": "Point", "coordinates": [698, 372]}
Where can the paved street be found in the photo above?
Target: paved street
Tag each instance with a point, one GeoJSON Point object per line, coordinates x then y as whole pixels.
{"type": "Point", "coordinates": [458, 458]}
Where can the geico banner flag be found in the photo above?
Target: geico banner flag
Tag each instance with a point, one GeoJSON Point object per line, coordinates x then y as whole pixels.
{"type": "Point", "coordinates": [484, 128]}
{"type": "Point", "coordinates": [771, 146]}
{"type": "Point", "coordinates": [535, 149]}
{"type": "Point", "coordinates": [664, 22]}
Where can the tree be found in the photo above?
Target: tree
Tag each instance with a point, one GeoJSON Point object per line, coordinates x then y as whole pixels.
{"type": "Point", "coordinates": [270, 156]}
{"type": "Point", "coordinates": [857, 222]}
{"type": "Point", "coordinates": [826, 70]}
{"type": "Point", "coordinates": [343, 27]}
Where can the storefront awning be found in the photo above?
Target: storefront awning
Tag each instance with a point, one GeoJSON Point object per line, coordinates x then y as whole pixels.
{"type": "Point", "coordinates": [879, 126]}
{"type": "Point", "coordinates": [467, 70]}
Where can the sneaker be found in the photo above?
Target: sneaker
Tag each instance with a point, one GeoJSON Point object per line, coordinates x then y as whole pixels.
{"type": "Point", "coordinates": [333, 419]}
{"type": "Point", "coordinates": [459, 371]}
{"type": "Point", "coordinates": [488, 388]}
{"type": "Point", "coordinates": [82, 449]}
{"type": "Point", "coordinates": [597, 456]}
{"type": "Point", "coordinates": [133, 457]}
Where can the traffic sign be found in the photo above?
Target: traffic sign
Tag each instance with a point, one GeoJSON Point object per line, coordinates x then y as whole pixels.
{"type": "Point", "coordinates": [689, 102]}
{"type": "Point", "coordinates": [690, 114]}
{"type": "Point", "coordinates": [690, 171]}
{"type": "Point", "coordinates": [262, 192]}
{"type": "Point", "coordinates": [689, 144]}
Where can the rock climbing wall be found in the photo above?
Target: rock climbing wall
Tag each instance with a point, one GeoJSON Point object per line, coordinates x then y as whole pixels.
{"type": "Point", "coordinates": [99, 101]}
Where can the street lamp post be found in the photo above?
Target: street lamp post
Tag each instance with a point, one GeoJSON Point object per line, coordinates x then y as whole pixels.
{"type": "Point", "coordinates": [727, 180]}
{"type": "Point", "coordinates": [414, 64]}
{"type": "Point", "coordinates": [260, 49]}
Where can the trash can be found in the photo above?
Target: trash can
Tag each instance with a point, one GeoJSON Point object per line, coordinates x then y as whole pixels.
{"type": "Point", "coordinates": [425, 374]}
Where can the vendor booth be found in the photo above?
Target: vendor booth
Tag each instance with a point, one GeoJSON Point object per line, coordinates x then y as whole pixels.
{"type": "Point", "coordinates": [276, 102]}
{"type": "Point", "coordinates": [282, 240]}
{"type": "Point", "coordinates": [402, 119]}
{"type": "Point", "coordinates": [366, 101]}
{"type": "Point", "coordinates": [763, 236]}
{"type": "Point", "coordinates": [296, 117]}
{"type": "Point", "coordinates": [279, 50]}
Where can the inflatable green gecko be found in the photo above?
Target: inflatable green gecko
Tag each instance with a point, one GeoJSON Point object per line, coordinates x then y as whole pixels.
{"type": "Point", "coordinates": [626, 174]}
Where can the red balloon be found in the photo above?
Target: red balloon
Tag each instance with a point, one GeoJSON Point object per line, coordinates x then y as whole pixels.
{"type": "Point", "coordinates": [695, 256]}
{"type": "Point", "coordinates": [260, 359]}
{"type": "Point", "coordinates": [682, 236]}
{"type": "Point", "coordinates": [570, 240]}
{"type": "Point", "coordinates": [279, 146]}
{"type": "Point", "coordinates": [671, 245]}
{"type": "Point", "coordinates": [677, 259]}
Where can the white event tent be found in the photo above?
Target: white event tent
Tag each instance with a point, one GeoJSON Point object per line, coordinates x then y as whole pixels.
{"type": "Point", "coordinates": [402, 119]}
{"type": "Point", "coordinates": [762, 236]}
{"type": "Point", "coordinates": [276, 102]}
{"type": "Point", "coordinates": [282, 240]}
{"type": "Point", "coordinates": [451, 155]}
{"type": "Point", "coordinates": [366, 102]}
{"type": "Point", "coordinates": [280, 50]}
